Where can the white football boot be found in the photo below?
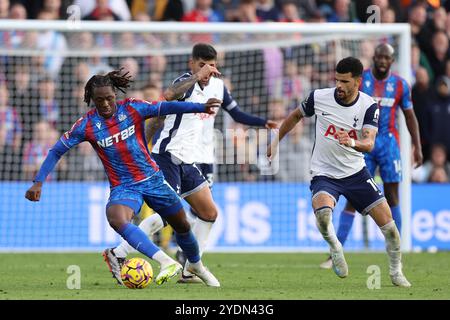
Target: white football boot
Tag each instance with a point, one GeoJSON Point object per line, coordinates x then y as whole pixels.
{"type": "Point", "coordinates": [338, 260]}
{"type": "Point", "coordinates": [204, 274]}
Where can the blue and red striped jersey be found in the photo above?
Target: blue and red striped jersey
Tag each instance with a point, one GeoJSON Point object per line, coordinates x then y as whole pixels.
{"type": "Point", "coordinates": [390, 94]}
{"type": "Point", "coordinates": [119, 141]}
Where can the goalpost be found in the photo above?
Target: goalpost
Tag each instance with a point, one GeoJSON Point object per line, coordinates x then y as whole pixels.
{"type": "Point", "coordinates": [269, 68]}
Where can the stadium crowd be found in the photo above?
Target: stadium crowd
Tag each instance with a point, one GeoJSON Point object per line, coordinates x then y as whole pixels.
{"type": "Point", "coordinates": [41, 95]}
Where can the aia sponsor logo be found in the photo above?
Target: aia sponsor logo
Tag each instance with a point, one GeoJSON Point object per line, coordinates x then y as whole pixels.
{"type": "Point", "coordinates": [332, 131]}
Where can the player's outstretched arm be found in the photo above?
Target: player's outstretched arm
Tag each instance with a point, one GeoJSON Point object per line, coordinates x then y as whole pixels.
{"type": "Point", "coordinates": [288, 124]}
{"type": "Point", "coordinates": [176, 107]}
{"type": "Point", "coordinates": [413, 128]}
{"type": "Point", "coordinates": [250, 120]}
{"type": "Point", "coordinates": [178, 89]}
{"type": "Point", "coordinates": [55, 153]}
{"type": "Point", "coordinates": [366, 143]}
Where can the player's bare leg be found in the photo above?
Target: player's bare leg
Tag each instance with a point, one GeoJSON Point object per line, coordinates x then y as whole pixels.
{"type": "Point", "coordinates": [323, 205]}
{"type": "Point", "coordinates": [391, 194]}
{"type": "Point", "coordinates": [203, 205]}
{"type": "Point", "coordinates": [119, 217]}
{"type": "Point", "coordinates": [189, 245]}
{"type": "Point", "coordinates": [381, 214]}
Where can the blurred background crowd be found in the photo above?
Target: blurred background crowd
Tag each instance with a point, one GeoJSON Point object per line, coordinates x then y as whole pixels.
{"type": "Point", "coordinates": [41, 95]}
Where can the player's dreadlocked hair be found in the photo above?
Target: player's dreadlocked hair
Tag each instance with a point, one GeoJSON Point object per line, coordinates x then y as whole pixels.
{"type": "Point", "coordinates": [113, 79]}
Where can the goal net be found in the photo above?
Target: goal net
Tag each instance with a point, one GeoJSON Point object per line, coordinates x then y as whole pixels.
{"type": "Point", "coordinates": [269, 69]}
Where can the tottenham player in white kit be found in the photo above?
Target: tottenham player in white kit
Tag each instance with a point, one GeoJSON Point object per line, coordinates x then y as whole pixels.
{"type": "Point", "coordinates": [346, 126]}
{"type": "Point", "coordinates": [184, 149]}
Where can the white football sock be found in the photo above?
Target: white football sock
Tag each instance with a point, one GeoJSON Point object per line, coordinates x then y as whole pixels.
{"type": "Point", "coordinates": [163, 259]}
{"type": "Point", "coordinates": [392, 239]}
{"type": "Point", "coordinates": [201, 230]}
{"type": "Point", "coordinates": [326, 228]}
{"type": "Point", "coordinates": [149, 225]}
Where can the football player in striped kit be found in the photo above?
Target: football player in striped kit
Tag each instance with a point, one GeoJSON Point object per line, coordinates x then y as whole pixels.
{"type": "Point", "coordinates": [116, 131]}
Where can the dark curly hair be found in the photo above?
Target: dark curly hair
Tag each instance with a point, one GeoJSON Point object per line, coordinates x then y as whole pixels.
{"type": "Point", "coordinates": [114, 79]}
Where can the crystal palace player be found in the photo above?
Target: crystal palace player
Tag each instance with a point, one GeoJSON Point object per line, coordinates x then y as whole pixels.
{"type": "Point", "coordinates": [391, 92]}
{"type": "Point", "coordinates": [346, 126]}
{"type": "Point", "coordinates": [185, 147]}
{"type": "Point", "coordinates": [116, 132]}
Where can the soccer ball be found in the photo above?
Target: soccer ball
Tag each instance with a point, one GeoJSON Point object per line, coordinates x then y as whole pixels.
{"type": "Point", "coordinates": [136, 273]}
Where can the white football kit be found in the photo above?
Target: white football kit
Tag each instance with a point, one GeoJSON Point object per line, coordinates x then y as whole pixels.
{"type": "Point", "coordinates": [190, 137]}
{"type": "Point", "coordinates": [329, 158]}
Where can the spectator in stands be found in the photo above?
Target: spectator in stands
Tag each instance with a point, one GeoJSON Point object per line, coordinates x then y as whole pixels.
{"type": "Point", "coordinates": [342, 12]}
{"type": "Point", "coordinates": [388, 15]}
{"type": "Point", "coordinates": [247, 12]}
{"type": "Point", "coordinates": [24, 97]}
{"type": "Point", "coordinates": [18, 11]}
{"type": "Point", "coordinates": [294, 155]}
{"type": "Point", "coordinates": [439, 175]}
{"type": "Point", "coordinates": [429, 171]}
{"type": "Point", "coordinates": [168, 10]}
{"type": "Point", "coordinates": [421, 93]}
{"type": "Point", "coordinates": [267, 11]}
{"type": "Point", "coordinates": [83, 164]}
{"type": "Point", "coordinates": [289, 12]}
{"type": "Point", "coordinates": [36, 150]}
{"type": "Point", "coordinates": [294, 85]}
{"type": "Point", "coordinates": [227, 9]}
{"type": "Point", "coordinates": [440, 54]}
{"type": "Point", "coordinates": [367, 51]}
{"type": "Point", "coordinates": [439, 113]}
{"type": "Point", "coordinates": [102, 11]}
{"type": "Point", "coordinates": [152, 92]}
{"type": "Point", "coordinates": [10, 137]}
{"type": "Point", "coordinates": [108, 8]}
{"type": "Point", "coordinates": [417, 19]}
{"type": "Point", "coordinates": [53, 7]}
{"type": "Point", "coordinates": [4, 9]}
{"type": "Point", "coordinates": [203, 12]}
{"type": "Point", "coordinates": [277, 110]}
{"type": "Point", "coordinates": [48, 105]}
{"type": "Point", "coordinates": [53, 44]}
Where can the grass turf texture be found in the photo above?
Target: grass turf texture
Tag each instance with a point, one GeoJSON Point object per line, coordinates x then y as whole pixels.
{"type": "Point", "coordinates": [242, 276]}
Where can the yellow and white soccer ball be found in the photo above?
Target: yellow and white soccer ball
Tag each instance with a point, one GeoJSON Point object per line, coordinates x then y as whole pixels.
{"type": "Point", "coordinates": [136, 273]}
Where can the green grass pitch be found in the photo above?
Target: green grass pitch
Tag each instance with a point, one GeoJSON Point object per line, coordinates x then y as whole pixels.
{"type": "Point", "coordinates": [284, 276]}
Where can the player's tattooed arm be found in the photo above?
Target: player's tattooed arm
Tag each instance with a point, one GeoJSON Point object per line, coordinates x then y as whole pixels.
{"type": "Point", "coordinates": [366, 143]}
{"type": "Point", "coordinates": [153, 125]}
{"type": "Point", "coordinates": [178, 89]}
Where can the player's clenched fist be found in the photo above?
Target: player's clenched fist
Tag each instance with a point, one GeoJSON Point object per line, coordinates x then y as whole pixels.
{"type": "Point", "coordinates": [207, 70]}
{"type": "Point", "coordinates": [34, 193]}
{"type": "Point", "coordinates": [345, 139]}
{"type": "Point", "coordinates": [211, 104]}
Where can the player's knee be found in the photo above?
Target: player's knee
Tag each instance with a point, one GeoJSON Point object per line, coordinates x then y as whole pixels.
{"type": "Point", "coordinates": [116, 221]}
{"type": "Point", "coordinates": [207, 214]}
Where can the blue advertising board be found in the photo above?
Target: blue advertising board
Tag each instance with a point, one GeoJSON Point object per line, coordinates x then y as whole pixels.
{"type": "Point", "coordinates": [252, 217]}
